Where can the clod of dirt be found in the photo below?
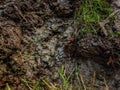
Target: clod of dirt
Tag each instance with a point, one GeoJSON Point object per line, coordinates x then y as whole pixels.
{"type": "Point", "coordinates": [26, 13]}
{"type": "Point", "coordinates": [94, 46]}
{"type": "Point", "coordinates": [116, 3]}
{"type": "Point", "coordinates": [63, 7]}
{"type": "Point", "coordinates": [11, 37]}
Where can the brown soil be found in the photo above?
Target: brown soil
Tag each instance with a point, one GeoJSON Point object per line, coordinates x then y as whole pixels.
{"type": "Point", "coordinates": [95, 46]}
{"type": "Point", "coordinates": [19, 21]}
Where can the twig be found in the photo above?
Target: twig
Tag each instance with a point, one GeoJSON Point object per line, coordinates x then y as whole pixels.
{"type": "Point", "coordinates": [105, 21]}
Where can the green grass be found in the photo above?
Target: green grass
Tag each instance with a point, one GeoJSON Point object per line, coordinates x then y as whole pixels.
{"type": "Point", "coordinates": [7, 87]}
{"type": "Point", "coordinates": [66, 81]}
{"type": "Point", "coordinates": [90, 13]}
{"type": "Point", "coordinates": [31, 86]}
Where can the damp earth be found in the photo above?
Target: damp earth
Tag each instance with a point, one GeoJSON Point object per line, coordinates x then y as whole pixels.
{"type": "Point", "coordinates": [40, 43]}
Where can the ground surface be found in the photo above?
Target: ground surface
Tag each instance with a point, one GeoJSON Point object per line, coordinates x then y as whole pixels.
{"type": "Point", "coordinates": [39, 37]}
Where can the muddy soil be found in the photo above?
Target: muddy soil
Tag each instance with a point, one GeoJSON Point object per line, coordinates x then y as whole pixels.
{"type": "Point", "coordinates": [39, 36]}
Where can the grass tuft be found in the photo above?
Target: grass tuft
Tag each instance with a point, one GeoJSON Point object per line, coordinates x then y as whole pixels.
{"type": "Point", "coordinates": [7, 87]}
{"type": "Point", "coordinates": [30, 86]}
{"type": "Point", "coordinates": [90, 13]}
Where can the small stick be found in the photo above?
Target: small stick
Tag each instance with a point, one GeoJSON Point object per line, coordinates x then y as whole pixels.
{"type": "Point", "coordinates": [105, 21]}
